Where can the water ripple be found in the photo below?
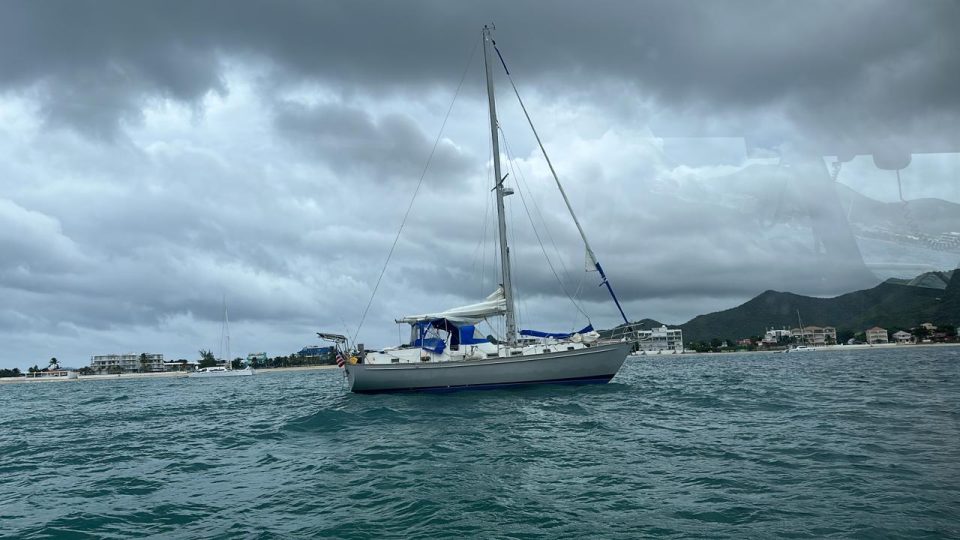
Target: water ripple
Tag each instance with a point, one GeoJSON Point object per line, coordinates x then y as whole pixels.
{"type": "Point", "coordinates": [838, 444]}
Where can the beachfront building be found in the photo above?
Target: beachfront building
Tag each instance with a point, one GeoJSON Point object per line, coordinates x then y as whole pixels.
{"type": "Point", "coordinates": [311, 351]}
{"type": "Point", "coordinates": [51, 374]}
{"type": "Point", "coordinates": [775, 337]}
{"type": "Point", "coordinates": [128, 363]}
{"type": "Point", "coordinates": [661, 340]}
{"type": "Point", "coordinates": [180, 365]}
{"type": "Point", "coordinates": [877, 335]}
{"type": "Point", "coordinates": [816, 335]}
{"type": "Point", "coordinates": [903, 337]}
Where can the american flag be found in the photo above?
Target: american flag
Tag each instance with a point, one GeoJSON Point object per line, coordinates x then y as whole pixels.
{"type": "Point", "coordinates": [340, 360]}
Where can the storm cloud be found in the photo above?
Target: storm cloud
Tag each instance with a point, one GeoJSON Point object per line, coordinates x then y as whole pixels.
{"type": "Point", "coordinates": [156, 157]}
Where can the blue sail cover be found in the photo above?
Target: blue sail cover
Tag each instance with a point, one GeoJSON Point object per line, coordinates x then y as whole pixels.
{"type": "Point", "coordinates": [462, 334]}
{"type": "Point", "coordinates": [539, 334]}
{"type": "Point", "coordinates": [432, 344]}
{"type": "Point", "coordinates": [470, 336]}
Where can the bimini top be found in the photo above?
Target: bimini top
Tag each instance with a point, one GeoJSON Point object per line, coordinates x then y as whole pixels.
{"type": "Point", "coordinates": [495, 304]}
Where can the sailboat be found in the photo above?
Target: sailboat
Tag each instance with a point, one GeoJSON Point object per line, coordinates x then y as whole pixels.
{"type": "Point", "coordinates": [447, 352]}
{"type": "Point", "coordinates": [801, 347]}
{"type": "Point", "coordinates": [227, 369]}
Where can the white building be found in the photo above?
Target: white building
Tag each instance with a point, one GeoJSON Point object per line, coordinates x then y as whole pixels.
{"type": "Point", "coordinates": [816, 335]}
{"type": "Point", "coordinates": [774, 336]}
{"type": "Point", "coordinates": [180, 365]}
{"type": "Point", "coordinates": [877, 335]}
{"type": "Point", "coordinates": [128, 362]}
{"type": "Point", "coordinates": [903, 337]}
{"type": "Point", "coordinates": [661, 340]}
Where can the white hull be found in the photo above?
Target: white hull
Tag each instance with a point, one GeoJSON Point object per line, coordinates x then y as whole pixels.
{"type": "Point", "coordinates": [595, 364]}
{"type": "Point", "coordinates": [224, 373]}
{"type": "Point", "coordinates": [446, 351]}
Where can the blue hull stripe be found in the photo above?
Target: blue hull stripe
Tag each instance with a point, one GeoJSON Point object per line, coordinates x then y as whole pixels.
{"type": "Point", "coordinates": [602, 379]}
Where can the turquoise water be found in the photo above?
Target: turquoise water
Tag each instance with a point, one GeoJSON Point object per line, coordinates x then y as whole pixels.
{"type": "Point", "coordinates": [863, 444]}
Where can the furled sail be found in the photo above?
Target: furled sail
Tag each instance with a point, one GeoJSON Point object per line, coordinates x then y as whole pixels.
{"type": "Point", "coordinates": [555, 335]}
{"type": "Point", "coordinates": [495, 304]}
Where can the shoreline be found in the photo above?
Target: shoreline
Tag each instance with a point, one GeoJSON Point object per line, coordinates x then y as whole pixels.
{"type": "Point", "coordinates": [825, 348]}
{"type": "Point", "coordinates": [163, 375]}
{"type": "Point", "coordinates": [267, 371]}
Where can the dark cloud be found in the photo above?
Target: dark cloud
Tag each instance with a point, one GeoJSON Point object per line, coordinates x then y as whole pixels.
{"type": "Point", "coordinates": [267, 153]}
{"type": "Point", "coordinates": [355, 145]}
{"type": "Point", "coordinates": [849, 75]}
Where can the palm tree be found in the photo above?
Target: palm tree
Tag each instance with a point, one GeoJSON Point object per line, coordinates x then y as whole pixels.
{"type": "Point", "coordinates": [144, 362]}
{"type": "Point", "coordinates": [53, 364]}
{"type": "Point", "coordinates": [207, 359]}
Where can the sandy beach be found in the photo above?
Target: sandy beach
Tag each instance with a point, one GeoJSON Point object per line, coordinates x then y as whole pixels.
{"type": "Point", "coordinates": [129, 376]}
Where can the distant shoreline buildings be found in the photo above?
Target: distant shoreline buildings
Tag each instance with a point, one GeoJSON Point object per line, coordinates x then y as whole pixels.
{"type": "Point", "coordinates": [128, 363]}
{"type": "Point", "coordinates": [660, 340]}
{"type": "Point", "coordinates": [877, 335]}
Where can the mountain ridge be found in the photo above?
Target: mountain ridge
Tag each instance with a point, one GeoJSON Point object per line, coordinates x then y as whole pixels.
{"type": "Point", "coordinates": [891, 304]}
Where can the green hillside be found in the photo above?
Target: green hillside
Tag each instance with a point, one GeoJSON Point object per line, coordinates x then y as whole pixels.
{"type": "Point", "coordinates": [889, 305]}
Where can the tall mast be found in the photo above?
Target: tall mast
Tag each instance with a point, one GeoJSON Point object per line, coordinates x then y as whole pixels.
{"type": "Point", "coordinates": [226, 321]}
{"type": "Point", "coordinates": [802, 337]}
{"type": "Point", "coordinates": [225, 333]}
{"type": "Point", "coordinates": [504, 249]}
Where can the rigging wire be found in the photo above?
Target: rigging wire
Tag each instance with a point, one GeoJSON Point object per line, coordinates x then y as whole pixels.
{"type": "Point", "coordinates": [577, 295]}
{"type": "Point", "coordinates": [517, 297]}
{"type": "Point", "coordinates": [483, 233]}
{"type": "Point", "coordinates": [546, 227]}
{"type": "Point", "coordinates": [536, 207]}
{"type": "Point", "coordinates": [489, 205]}
{"type": "Point", "coordinates": [423, 174]}
{"type": "Point", "coordinates": [481, 247]}
{"type": "Point", "coordinates": [563, 193]}
{"type": "Point", "coordinates": [510, 160]}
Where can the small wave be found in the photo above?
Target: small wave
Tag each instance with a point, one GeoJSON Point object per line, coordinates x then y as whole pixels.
{"type": "Point", "coordinates": [191, 466]}
{"type": "Point", "coordinates": [268, 459]}
{"type": "Point", "coordinates": [128, 485]}
{"type": "Point", "coordinates": [95, 400]}
{"type": "Point", "coordinates": [323, 421]}
{"type": "Point", "coordinates": [758, 448]}
{"type": "Point", "coordinates": [735, 515]}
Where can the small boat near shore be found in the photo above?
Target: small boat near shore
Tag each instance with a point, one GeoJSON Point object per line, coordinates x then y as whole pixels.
{"type": "Point", "coordinates": [220, 371]}
{"type": "Point", "coordinates": [225, 370]}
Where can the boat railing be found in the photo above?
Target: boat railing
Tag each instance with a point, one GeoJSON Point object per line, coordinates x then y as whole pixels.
{"type": "Point", "coordinates": [626, 332]}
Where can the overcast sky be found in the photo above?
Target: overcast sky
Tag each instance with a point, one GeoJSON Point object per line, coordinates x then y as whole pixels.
{"type": "Point", "coordinates": [158, 157]}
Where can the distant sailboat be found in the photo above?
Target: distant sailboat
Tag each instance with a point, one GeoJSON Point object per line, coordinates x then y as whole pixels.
{"type": "Point", "coordinates": [801, 347]}
{"type": "Point", "coordinates": [227, 369]}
